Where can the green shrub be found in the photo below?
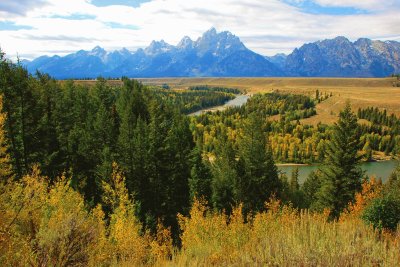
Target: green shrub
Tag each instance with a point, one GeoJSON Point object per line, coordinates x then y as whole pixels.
{"type": "Point", "coordinates": [383, 212]}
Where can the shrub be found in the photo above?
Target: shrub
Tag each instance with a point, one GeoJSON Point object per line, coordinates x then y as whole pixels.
{"type": "Point", "coordinates": [383, 213]}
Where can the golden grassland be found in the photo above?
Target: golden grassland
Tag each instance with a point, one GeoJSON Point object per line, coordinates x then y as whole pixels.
{"type": "Point", "coordinates": [362, 92]}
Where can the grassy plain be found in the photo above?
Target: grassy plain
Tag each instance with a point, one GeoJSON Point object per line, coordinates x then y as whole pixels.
{"type": "Point", "coordinates": [362, 92]}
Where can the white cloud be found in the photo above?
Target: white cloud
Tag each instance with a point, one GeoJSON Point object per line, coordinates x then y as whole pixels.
{"type": "Point", "coordinates": [20, 7]}
{"type": "Point", "coordinates": [268, 27]}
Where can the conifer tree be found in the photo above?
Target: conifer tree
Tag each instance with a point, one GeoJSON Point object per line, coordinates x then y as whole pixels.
{"type": "Point", "coordinates": [341, 174]}
{"type": "Point", "coordinates": [310, 188]}
{"type": "Point", "coordinates": [200, 177]}
{"type": "Point", "coordinates": [257, 172]}
{"type": "Point", "coordinates": [294, 180]}
{"type": "Point", "coordinates": [224, 177]}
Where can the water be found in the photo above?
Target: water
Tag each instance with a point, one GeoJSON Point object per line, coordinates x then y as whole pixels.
{"type": "Point", "coordinates": [381, 169]}
{"type": "Point", "coordinates": [236, 102]}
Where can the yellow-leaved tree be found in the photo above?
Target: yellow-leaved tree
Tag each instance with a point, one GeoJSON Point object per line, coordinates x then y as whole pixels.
{"type": "Point", "coordinates": [127, 245]}
{"type": "Point", "coordinates": [5, 166]}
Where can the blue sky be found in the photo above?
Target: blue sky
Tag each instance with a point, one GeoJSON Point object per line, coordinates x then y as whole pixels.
{"type": "Point", "coordinates": [132, 3]}
{"type": "Point", "coordinates": [313, 7]}
{"type": "Point", "coordinates": [31, 28]}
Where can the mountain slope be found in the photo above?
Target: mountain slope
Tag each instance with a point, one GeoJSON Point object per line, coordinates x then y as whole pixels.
{"type": "Point", "coordinates": [341, 58]}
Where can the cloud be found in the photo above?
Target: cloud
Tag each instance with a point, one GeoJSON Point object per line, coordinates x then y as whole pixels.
{"type": "Point", "coordinates": [67, 38]}
{"type": "Point", "coordinates": [20, 7]}
{"type": "Point", "coordinates": [267, 27]}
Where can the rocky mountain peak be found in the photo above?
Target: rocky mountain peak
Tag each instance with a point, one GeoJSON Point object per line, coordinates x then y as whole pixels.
{"type": "Point", "coordinates": [157, 47]}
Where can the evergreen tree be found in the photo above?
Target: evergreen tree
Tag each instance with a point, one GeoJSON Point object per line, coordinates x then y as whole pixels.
{"type": "Point", "coordinates": [139, 185]}
{"type": "Point", "coordinates": [131, 107]}
{"type": "Point", "coordinates": [49, 155]}
{"type": "Point", "coordinates": [224, 176]}
{"type": "Point", "coordinates": [257, 172]}
{"type": "Point", "coordinates": [310, 188]}
{"type": "Point", "coordinates": [296, 194]}
{"type": "Point", "coordinates": [179, 144]}
{"type": "Point", "coordinates": [200, 177]}
{"type": "Point", "coordinates": [341, 173]}
{"type": "Point", "coordinates": [294, 180]}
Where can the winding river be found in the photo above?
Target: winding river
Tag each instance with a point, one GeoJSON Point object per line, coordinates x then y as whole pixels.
{"type": "Point", "coordinates": [238, 101]}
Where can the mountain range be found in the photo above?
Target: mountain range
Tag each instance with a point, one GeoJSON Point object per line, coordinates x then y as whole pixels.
{"type": "Point", "coordinates": [224, 55]}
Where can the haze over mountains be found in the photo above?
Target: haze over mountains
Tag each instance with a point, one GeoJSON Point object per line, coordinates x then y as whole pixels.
{"type": "Point", "coordinates": [224, 55]}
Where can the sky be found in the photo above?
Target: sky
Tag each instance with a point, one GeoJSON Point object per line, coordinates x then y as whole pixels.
{"type": "Point", "coordinates": [32, 28]}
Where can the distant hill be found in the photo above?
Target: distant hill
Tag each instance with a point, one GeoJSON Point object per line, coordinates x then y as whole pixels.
{"type": "Point", "coordinates": [224, 55]}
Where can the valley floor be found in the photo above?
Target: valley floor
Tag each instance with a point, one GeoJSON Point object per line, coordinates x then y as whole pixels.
{"type": "Point", "coordinates": [362, 92]}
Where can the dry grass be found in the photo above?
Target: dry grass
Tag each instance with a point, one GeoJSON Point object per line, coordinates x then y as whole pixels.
{"type": "Point", "coordinates": [43, 225]}
{"type": "Point", "coordinates": [281, 237]}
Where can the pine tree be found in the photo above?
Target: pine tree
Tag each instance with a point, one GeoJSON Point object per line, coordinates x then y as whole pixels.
{"type": "Point", "coordinates": [224, 171]}
{"type": "Point", "coordinates": [341, 173]}
{"type": "Point", "coordinates": [310, 188]}
{"type": "Point", "coordinates": [257, 174]}
{"type": "Point", "coordinates": [294, 180]}
{"type": "Point", "coordinates": [178, 144]}
{"type": "Point", "coordinates": [200, 177]}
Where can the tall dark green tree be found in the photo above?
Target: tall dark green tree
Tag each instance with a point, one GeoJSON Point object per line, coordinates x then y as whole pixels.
{"type": "Point", "coordinates": [310, 188]}
{"type": "Point", "coordinates": [106, 129]}
{"type": "Point", "coordinates": [200, 177]}
{"type": "Point", "coordinates": [20, 105]}
{"type": "Point", "coordinates": [341, 174]}
{"type": "Point", "coordinates": [257, 173]}
{"type": "Point", "coordinates": [224, 172]}
{"type": "Point", "coordinates": [131, 107]}
{"type": "Point", "coordinates": [49, 95]}
{"type": "Point", "coordinates": [179, 144]}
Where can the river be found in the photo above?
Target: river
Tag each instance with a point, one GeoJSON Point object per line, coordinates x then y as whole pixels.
{"type": "Point", "coordinates": [381, 169]}
{"type": "Point", "coordinates": [236, 102]}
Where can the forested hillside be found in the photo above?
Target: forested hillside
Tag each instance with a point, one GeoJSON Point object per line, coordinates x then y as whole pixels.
{"type": "Point", "coordinates": [121, 175]}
